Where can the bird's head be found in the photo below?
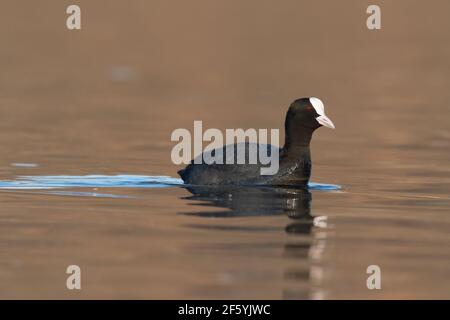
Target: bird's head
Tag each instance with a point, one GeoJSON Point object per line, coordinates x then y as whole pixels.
{"type": "Point", "coordinates": [308, 112]}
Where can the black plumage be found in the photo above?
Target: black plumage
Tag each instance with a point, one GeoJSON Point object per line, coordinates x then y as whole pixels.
{"type": "Point", "coordinates": [302, 119]}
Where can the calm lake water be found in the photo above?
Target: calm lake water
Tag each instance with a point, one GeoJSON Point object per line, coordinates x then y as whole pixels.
{"type": "Point", "coordinates": [85, 171]}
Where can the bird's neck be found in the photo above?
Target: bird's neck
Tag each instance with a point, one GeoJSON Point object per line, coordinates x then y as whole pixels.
{"type": "Point", "coordinates": [298, 140]}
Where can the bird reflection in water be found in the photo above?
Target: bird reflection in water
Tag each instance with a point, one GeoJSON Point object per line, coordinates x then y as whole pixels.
{"type": "Point", "coordinates": [295, 203]}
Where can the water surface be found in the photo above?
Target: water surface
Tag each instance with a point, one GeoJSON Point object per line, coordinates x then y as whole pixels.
{"type": "Point", "coordinates": [85, 170]}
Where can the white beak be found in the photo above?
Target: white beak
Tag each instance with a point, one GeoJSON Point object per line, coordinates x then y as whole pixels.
{"type": "Point", "coordinates": [325, 121]}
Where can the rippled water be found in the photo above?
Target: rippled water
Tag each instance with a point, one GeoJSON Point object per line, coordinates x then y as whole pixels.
{"type": "Point", "coordinates": [89, 181]}
{"type": "Point", "coordinates": [85, 170]}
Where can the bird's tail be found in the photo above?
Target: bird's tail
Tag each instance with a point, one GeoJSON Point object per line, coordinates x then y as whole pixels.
{"type": "Point", "coordinates": [181, 173]}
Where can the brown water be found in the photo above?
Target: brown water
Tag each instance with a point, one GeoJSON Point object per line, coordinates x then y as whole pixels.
{"type": "Point", "coordinates": [104, 100]}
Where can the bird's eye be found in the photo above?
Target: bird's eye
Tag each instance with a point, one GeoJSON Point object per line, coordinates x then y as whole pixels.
{"type": "Point", "coordinates": [309, 108]}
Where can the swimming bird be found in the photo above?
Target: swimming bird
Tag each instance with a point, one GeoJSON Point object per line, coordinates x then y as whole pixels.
{"type": "Point", "coordinates": [303, 117]}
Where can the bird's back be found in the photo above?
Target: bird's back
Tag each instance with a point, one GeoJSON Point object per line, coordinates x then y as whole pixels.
{"type": "Point", "coordinates": [289, 172]}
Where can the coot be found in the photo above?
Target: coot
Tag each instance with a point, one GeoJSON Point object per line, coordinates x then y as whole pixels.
{"type": "Point", "coordinates": [304, 116]}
